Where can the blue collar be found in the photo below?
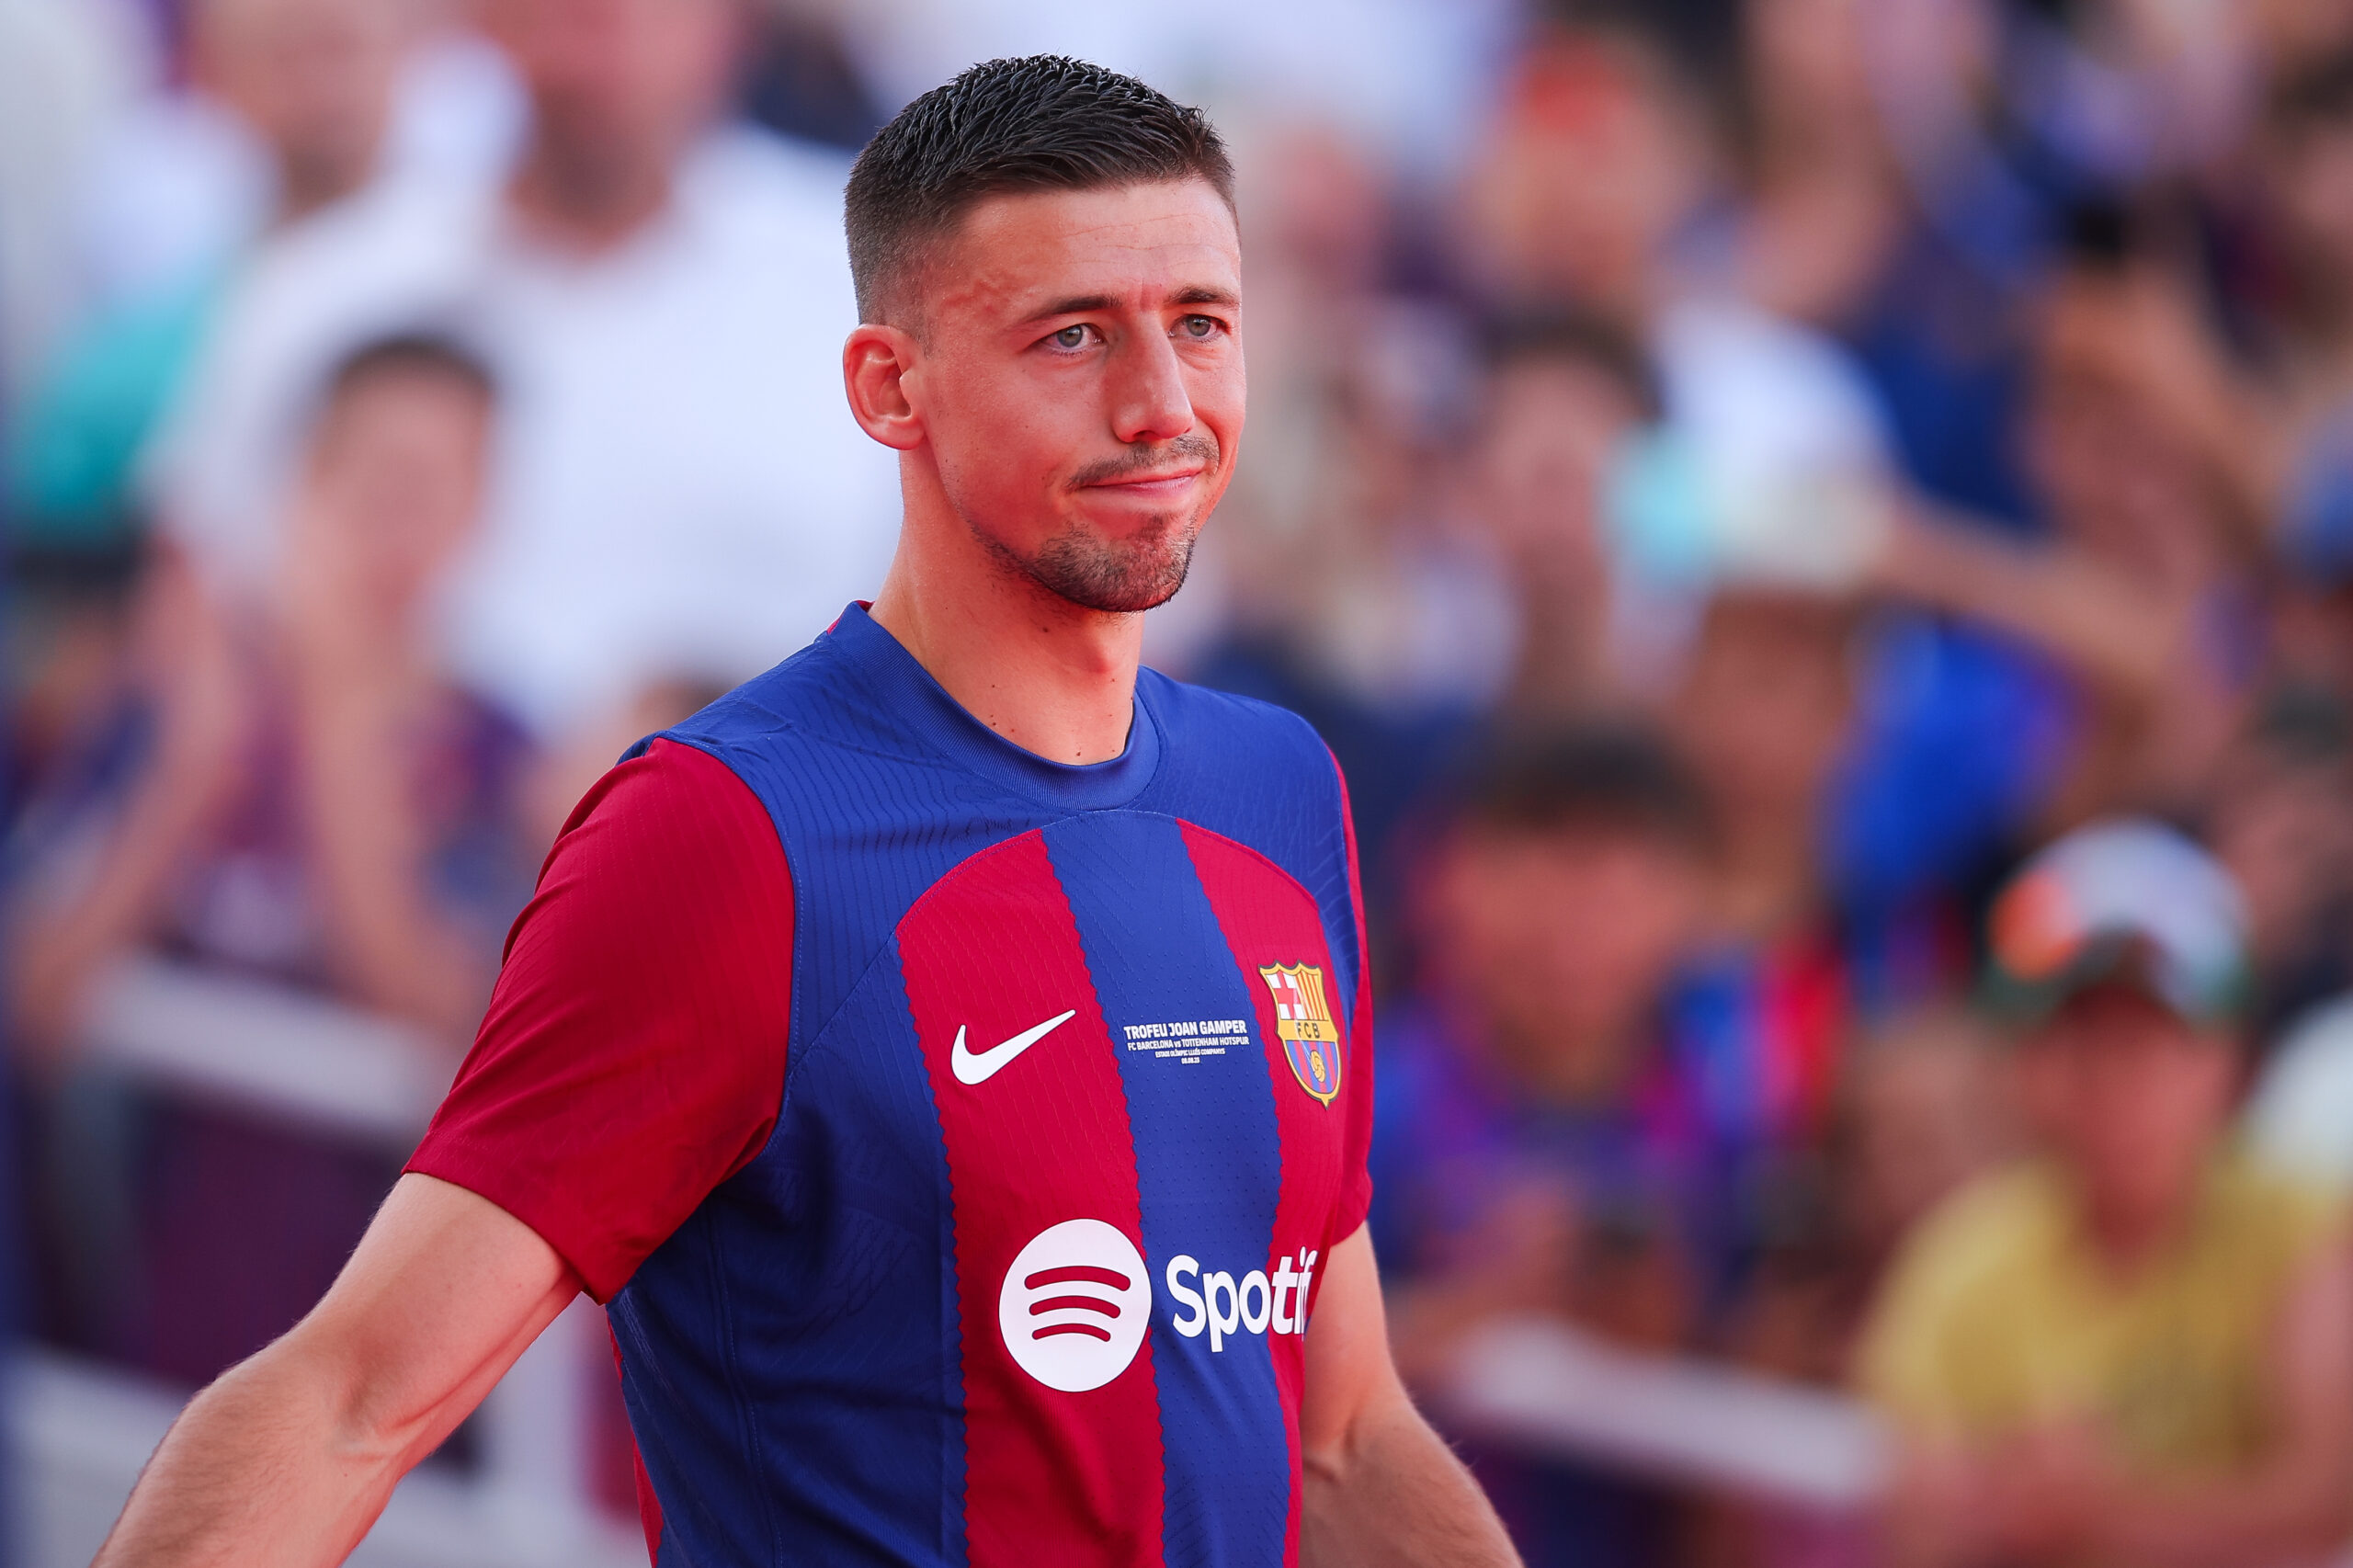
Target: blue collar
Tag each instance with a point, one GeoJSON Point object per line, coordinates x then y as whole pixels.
{"type": "Point", "coordinates": [927, 707]}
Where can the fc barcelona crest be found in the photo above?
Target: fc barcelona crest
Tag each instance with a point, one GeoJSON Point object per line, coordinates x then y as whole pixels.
{"type": "Point", "coordinates": [1311, 1040]}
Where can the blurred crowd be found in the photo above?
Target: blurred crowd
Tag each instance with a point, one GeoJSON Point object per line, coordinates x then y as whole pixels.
{"type": "Point", "coordinates": [1821, 532]}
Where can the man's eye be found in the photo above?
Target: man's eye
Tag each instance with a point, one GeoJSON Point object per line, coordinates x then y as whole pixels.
{"type": "Point", "coordinates": [1071, 337]}
{"type": "Point", "coordinates": [1198, 326]}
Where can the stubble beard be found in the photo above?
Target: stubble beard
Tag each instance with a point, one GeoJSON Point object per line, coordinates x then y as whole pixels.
{"type": "Point", "coordinates": [1117, 576]}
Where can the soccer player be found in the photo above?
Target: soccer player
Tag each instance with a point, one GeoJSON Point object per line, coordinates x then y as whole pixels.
{"type": "Point", "coordinates": [948, 1055]}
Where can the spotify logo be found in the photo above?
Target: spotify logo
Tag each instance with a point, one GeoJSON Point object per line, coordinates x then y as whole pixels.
{"type": "Point", "coordinates": [1074, 1305]}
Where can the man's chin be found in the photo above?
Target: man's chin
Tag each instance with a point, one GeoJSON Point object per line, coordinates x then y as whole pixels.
{"type": "Point", "coordinates": [1121, 594]}
{"type": "Point", "coordinates": [1113, 576]}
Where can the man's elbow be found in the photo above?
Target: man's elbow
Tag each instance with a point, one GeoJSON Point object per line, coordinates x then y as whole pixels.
{"type": "Point", "coordinates": [310, 1388]}
{"type": "Point", "coordinates": [1335, 1457]}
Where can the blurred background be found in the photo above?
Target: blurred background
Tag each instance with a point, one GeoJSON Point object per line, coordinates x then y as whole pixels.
{"type": "Point", "coordinates": [1732, 480]}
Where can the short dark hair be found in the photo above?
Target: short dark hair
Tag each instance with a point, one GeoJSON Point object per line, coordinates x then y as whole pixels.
{"type": "Point", "coordinates": [1045, 122]}
{"type": "Point", "coordinates": [1579, 339]}
{"type": "Point", "coordinates": [1592, 775]}
{"type": "Point", "coordinates": [409, 352]}
{"type": "Point", "coordinates": [2315, 96]}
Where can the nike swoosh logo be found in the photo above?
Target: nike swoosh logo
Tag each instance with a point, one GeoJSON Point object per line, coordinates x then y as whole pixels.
{"type": "Point", "coordinates": [980, 1066]}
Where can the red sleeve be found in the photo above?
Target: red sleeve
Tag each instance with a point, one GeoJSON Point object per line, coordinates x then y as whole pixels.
{"type": "Point", "coordinates": [632, 1057]}
{"type": "Point", "coordinates": [1356, 1191]}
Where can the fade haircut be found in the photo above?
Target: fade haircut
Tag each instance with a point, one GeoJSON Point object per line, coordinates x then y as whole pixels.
{"type": "Point", "coordinates": [1044, 122]}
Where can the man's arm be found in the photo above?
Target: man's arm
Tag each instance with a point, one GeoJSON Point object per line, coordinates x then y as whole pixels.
{"type": "Point", "coordinates": [291, 1455]}
{"type": "Point", "coordinates": [1381, 1487]}
{"type": "Point", "coordinates": [2056, 1496]}
{"type": "Point", "coordinates": [2296, 1501]}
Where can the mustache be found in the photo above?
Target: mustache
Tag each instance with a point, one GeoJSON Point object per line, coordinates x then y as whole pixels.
{"type": "Point", "coordinates": [1143, 459]}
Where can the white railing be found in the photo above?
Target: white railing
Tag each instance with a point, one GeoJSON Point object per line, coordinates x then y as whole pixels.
{"type": "Point", "coordinates": [224, 1038]}
{"type": "Point", "coordinates": [1543, 1386]}
{"type": "Point", "coordinates": [77, 1435]}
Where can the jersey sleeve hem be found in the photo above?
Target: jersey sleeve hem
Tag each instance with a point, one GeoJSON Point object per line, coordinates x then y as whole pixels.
{"type": "Point", "coordinates": [459, 1161]}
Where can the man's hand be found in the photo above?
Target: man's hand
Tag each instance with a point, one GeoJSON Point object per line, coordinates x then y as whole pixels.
{"type": "Point", "coordinates": [289, 1456]}
{"type": "Point", "coordinates": [1380, 1486]}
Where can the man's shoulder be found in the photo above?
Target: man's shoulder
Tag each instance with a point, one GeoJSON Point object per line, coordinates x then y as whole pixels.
{"type": "Point", "coordinates": [1208, 726]}
{"type": "Point", "coordinates": [2263, 1220]}
{"type": "Point", "coordinates": [807, 698]}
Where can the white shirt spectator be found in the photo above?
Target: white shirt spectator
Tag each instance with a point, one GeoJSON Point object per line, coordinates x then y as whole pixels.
{"type": "Point", "coordinates": [180, 184]}
{"type": "Point", "coordinates": [2300, 1116]}
{"type": "Point", "coordinates": [682, 493]}
{"type": "Point", "coordinates": [1412, 80]}
{"type": "Point", "coordinates": [67, 68]}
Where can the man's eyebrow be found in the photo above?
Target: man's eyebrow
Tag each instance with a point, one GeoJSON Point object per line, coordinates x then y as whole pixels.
{"type": "Point", "coordinates": [1077, 305]}
{"type": "Point", "coordinates": [1086, 304]}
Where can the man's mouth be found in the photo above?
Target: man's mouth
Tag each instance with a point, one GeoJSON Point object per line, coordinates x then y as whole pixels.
{"type": "Point", "coordinates": [1169, 483]}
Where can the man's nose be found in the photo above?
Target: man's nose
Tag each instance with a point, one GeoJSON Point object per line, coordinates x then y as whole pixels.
{"type": "Point", "coordinates": [1149, 401]}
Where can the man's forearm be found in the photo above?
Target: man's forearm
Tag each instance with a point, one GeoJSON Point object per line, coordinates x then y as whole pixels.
{"type": "Point", "coordinates": [259, 1470]}
{"type": "Point", "coordinates": [287, 1459]}
{"type": "Point", "coordinates": [2288, 1514]}
{"type": "Point", "coordinates": [1397, 1493]}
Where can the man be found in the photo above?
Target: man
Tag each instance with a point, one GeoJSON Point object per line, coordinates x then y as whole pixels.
{"type": "Point", "coordinates": [947, 1055]}
{"type": "Point", "coordinates": [680, 494]}
{"type": "Point", "coordinates": [1541, 1146]}
{"type": "Point", "coordinates": [2133, 1348]}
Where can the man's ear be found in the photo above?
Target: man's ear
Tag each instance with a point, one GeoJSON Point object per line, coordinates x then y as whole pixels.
{"type": "Point", "coordinates": [876, 361]}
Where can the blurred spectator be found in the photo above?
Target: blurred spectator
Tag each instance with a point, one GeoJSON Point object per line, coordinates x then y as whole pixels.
{"type": "Point", "coordinates": [1538, 1147]}
{"type": "Point", "coordinates": [2145, 598]}
{"type": "Point", "coordinates": [681, 494]}
{"type": "Point", "coordinates": [2297, 457]}
{"type": "Point", "coordinates": [292, 106]}
{"type": "Point", "coordinates": [2280, 819]}
{"type": "Point", "coordinates": [1404, 80]}
{"type": "Point", "coordinates": [2131, 1348]}
{"type": "Point", "coordinates": [301, 793]}
{"type": "Point", "coordinates": [1599, 157]}
{"type": "Point", "coordinates": [1803, 950]}
{"type": "Point", "coordinates": [1823, 207]}
{"type": "Point", "coordinates": [1921, 1110]}
{"type": "Point", "coordinates": [1595, 195]}
{"type": "Point", "coordinates": [67, 67]}
{"type": "Point", "coordinates": [291, 789]}
{"type": "Point", "coordinates": [2300, 1118]}
{"type": "Point", "coordinates": [1840, 228]}
{"type": "Point", "coordinates": [1765, 706]}
{"type": "Point", "coordinates": [1565, 395]}
{"type": "Point", "coordinates": [1567, 891]}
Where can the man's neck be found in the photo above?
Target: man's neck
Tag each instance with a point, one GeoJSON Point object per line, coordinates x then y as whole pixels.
{"type": "Point", "coordinates": [1049, 677]}
{"type": "Point", "coordinates": [584, 198]}
{"type": "Point", "coordinates": [2128, 1236]}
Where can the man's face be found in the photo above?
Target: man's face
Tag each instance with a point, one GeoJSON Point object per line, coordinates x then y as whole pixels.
{"type": "Point", "coordinates": [606, 72]}
{"type": "Point", "coordinates": [2131, 1099]}
{"type": "Point", "coordinates": [313, 77]}
{"type": "Point", "coordinates": [1075, 366]}
{"type": "Point", "coordinates": [1596, 163]}
{"type": "Point", "coordinates": [396, 476]}
{"type": "Point", "coordinates": [2310, 177]}
{"type": "Point", "coordinates": [1553, 427]}
{"type": "Point", "coordinates": [1565, 940]}
{"type": "Point", "coordinates": [1768, 701]}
